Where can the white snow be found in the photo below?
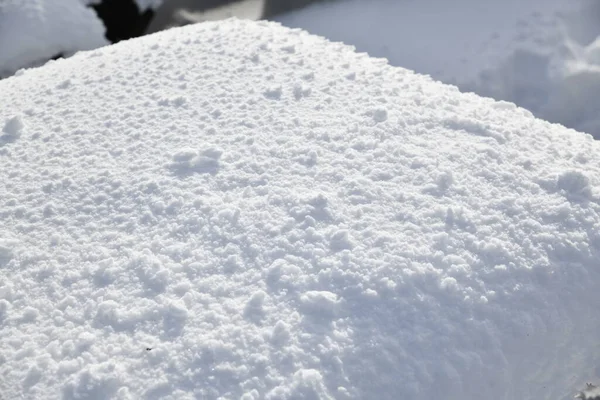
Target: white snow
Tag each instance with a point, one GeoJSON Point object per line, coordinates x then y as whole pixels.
{"type": "Point", "coordinates": [34, 31]}
{"type": "Point", "coordinates": [12, 128]}
{"type": "Point", "coordinates": [540, 54]}
{"type": "Point", "coordinates": [177, 222]}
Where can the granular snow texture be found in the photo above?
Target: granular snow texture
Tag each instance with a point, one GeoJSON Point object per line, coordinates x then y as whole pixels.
{"type": "Point", "coordinates": [238, 210]}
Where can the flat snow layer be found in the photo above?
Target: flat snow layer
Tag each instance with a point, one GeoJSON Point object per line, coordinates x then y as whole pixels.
{"type": "Point", "coordinates": [237, 210]}
{"type": "Point", "coordinates": [543, 55]}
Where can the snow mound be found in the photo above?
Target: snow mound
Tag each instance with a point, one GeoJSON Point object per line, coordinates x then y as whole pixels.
{"type": "Point", "coordinates": [241, 210]}
{"type": "Point", "coordinates": [539, 54]}
{"type": "Point", "coordinates": [33, 31]}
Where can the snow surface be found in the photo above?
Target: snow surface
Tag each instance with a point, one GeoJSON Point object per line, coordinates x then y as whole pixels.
{"type": "Point", "coordinates": [238, 210]}
{"type": "Point", "coordinates": [543, 55]}
{"type": "Point", "coordinates": [34, 31]}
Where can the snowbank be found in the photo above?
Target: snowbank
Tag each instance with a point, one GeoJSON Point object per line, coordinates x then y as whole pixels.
{"type": "Point", "coordinates": [540, 54]}
{"type": "Point", "coordinates": [240, 210]}
{"type": "Point", "coordinates": [34, 31]}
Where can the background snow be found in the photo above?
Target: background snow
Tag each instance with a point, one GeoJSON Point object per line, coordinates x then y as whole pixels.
{"type": "Point", "coordinates": [279, 217]}
{"type": "Point", "coordinates": [591, 392]}
{"type": "Point", "coordinates": [182, 12]}
{"type": "Point", "coordinates": [34, 31]}
{"type": "Point", "coordinates": [540, 54]}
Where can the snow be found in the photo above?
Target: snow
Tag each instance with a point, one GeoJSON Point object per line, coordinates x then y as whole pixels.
{"type": "Point", "coordinates": [34, 31]}
{"type": "Point", "coordinates": [12, 129]}
{"type": "Point", "coordinates": [239, 210]}
{"type": "Point", "coordinates": [540, 54]}
{"type": "Point", "coordinates": [591, 392]}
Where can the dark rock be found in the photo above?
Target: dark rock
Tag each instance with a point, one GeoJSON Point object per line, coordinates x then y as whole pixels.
{"type": "Point", "coordinates": [122, 19]}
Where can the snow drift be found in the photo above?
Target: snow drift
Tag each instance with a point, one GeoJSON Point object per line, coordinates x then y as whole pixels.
{"type": "Point", "coordinates": [241, 210]}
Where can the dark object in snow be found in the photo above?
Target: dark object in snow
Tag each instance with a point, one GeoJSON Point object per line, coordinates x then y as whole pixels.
{"type": "Point", "coordinates": [148, 348]}
{"type": "Point", "coordinates": [122, 19]}
{"type": "Point", "coordinates": [591, 392]}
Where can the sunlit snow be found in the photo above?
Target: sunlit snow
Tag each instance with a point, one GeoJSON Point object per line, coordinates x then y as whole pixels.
{"type": "Point", "coordinates": [238, 210]}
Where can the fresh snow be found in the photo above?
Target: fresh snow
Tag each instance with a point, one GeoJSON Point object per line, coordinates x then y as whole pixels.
{"type": "Point", "coordinates": [543, 55]}
{"type": "Point", "coordinates": [237, 210]}
{"type": "Point", "coordinates": [33, 31]}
